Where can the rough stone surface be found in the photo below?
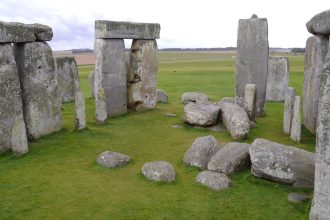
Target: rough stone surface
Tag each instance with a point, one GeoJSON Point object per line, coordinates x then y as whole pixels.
{"type": "Point", "coordinates": [41, 32]}
{"type": "Point", "coordinates": [201, 114]}
{"type": "Point", "coordinates": [320, 23]}
{"type": "Point", "coordinates": [228, 99]}
{"type": "Point", "coordinates": [233, 157]}
{"type": "Point", "coordinates": [40, 91]}
{"type": "Point", "coordinates": [277, 79]}
{"type": "Point", "coordinates": [159, 171]}
{"type": "Point", "coordinates": [91, 78]}
{"type": "Point", "coordinates": [235, 119]}
{"type": "Point", "coordinates": [12, 126]}
{"type": "Point", "coordinates": [80, 110]}
{"type": "Point", "coordinates": [296, 124]}
{"type": "Point", "coordinates": [162, 96]}
{"type": "Point", "coordinates": [14, 32]}
{"type": "Point", "coordinates": [126, 30]}
{"type": "Point", "coordinates": [316, 50]}
{"type": "Point", "coordinates": [196, 97]}
{"type": "Point", "coordinates": [280, 163]}
{"type": "Point", "coordinates": [112, 159]}
{"type": "Point", "coordinates": [298, 197]}
{"type": "Point", "coordinates": [252, 59]}
{"type": "Point", "coordinates": [110, 86]}
{"type": "Point", "coordinates": [142, 90]}
{"type": "Point", "coordinates": [201, 151]}
{"type": "Point", "coordinates": [290, 95]}
{"type": "Point", "coordinates": [67, 77]}
{"type": "Point", "coordinates": [321, 201]}
{"type": "Point", "coordinates": [214, 180]}
{"type": "Point", "coordinates": [250, 98]}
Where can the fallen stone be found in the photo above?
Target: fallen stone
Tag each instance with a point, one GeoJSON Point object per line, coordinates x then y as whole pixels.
{"type": "Point", "coordinates": [277, 79]}
{"type": "Point", "coordinates": [41, 32]}
{"type": "Point", "coordinates": [201, 151]}
{"type": "Point", "coordinates": [296, 124]}
{"type": "Point", "coordinates": [126, 30]}
{"type": "Point", "coordinates": [80, 110]}
{"type": "Point", "coordinates": [319, 24]}
{"type": "Point", "coordinates": [162, 96]}
{"type": "Point", "coordinates": [201, 114]}
{"type": "Point", "coordinates": [14, 32]}
{"type": "Point", "coordinates": [233, 157]}
{"type": "Point", "coordinates": [288, 109]}
{"type": "Point", "coordinates": [298, 197]}
{"type": "Point", "coordinates": [91, 78]}
{"type": "Point", "coordinates": [214, 180]}
{"type": "Point", "coordinates": [250, 97]}
{"type": "Point", "coordinates": [112, 159]}
{"type": "Point", "coordinates": [170, 115]}
{"type": "Point", "coordinates": [196, 97]}
{"type": "Point", "coordinates": [159, 171]}
{"type": "Point", "coordinates": [280, 163]}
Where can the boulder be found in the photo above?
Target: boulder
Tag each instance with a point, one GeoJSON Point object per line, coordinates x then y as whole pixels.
{"type": "Point", "coordinates": [214, 180]}
{"type": "Point", "coordinates": [233, 157]}
{"type": "Point", "coordinates": [196, 97]}
{"type": "Point", "coordinates": [159, 171]}
{"type": "Point", "coordinates": [288, 109]}
{"type": "Point", "coordinates": [250, 96]}
{"type": "Point", "coordinates": [112, 159]}
{"type": "Point", "coordinates": [201, 114]}
{"type": "Point", "coordinates": [162, 96]}
{"type": "Point", "coordinates": [14, 32]}
{"type": "Point", "coordinates": [283, 164]}
{"type": "Point", "coordinates": [296, 124]}
{"type": "Point", "coordinates": [201, 151]}
{"type": "Point", "coordinates": [91, 78]}
{"type": "Point", "coordinates": [80, 110]}
{"type": "Point", "coordinates": [319, 24]}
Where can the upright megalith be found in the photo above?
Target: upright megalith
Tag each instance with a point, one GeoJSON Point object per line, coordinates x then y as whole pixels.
{"type": "Point", "coordinates": [296, 124]}
{"type": "Point", "coordinates": [12, 126]}
{"type": "Point", "coordinates": [252, 59]}
{"type": "Point", "coordinates": [290, 95]}
{"type": "Point", "coordinates": [91, 79]}
{"type": "Point", "coordinates": [277, 79]}
{"type": "Point", "coordinates": [142, 90]}
{"type": "Point", "coordinates": [40, 92]}
{"type": "Point", "coordinates": [80, 110]}
{"type": "Point", "coordinates": [316, 50]}
{"type": "Point", "coordinates": [250, 96]}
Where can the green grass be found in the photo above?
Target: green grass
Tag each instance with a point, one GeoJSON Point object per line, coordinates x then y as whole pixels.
{"type": "Point", "coordinates": [59, 178]}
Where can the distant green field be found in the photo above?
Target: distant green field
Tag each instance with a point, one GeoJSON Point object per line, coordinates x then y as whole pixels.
{"type": "Point", "coordinates": [59, 177]}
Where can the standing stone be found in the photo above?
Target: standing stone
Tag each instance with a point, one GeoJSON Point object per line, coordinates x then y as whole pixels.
{"type": "Point", "coordinates": [12, 126]}
{"type": "Point", "coordinates": [91, 79]}
{"type": "Point", "coordinates": [80, 110]}
{"type": "Point", "coordinates": [110, 87]}
{"type": "Point", "coordinates": [296, 125]}
{"type": "Point", "coordinates": [277, 79]}
{"type": "Point", "coordinates": [40, 92]}
{"type": "Point", "coordinates": [250, 97]}
{"type": "Point", "coordinates": [252, 59]}
{"type": "Point", "coordinates": [288, 109]}
{"type": "Point", "coordinates": [316, 50]}
{"type": "Point", "coordinates": [321, 201]}
{"type": "Point", "coordinates": [142, 88]}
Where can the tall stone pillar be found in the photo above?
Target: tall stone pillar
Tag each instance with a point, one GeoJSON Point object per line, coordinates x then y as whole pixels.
{"type": "Point", "coordinates": [252, 59]}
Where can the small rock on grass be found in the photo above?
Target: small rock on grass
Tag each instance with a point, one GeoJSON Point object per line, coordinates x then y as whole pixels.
{"type": "Point", "coordinates": [112, 159]}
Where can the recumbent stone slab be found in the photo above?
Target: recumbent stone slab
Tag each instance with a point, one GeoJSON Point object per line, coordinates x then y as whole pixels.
{"type": "Point", "coordinates": [320, 24]}
{"type": "Point", "coordinates": [250, 98]}
{"type": "Point", "coordinates": [214, 180]}
{"type": "Point", "coordinates": [112, 159]}
{"type": "Point", "coordinates": [41, 32]}
{"type": "Point", "coordinates": [196, 97]}
{"type": "Point", "coordinates": [159, 171]}
{"type": "Point", "coordinates": [14, 32]}
{"type": "Point", "coordinates": [288, 109]}
{"type": "Point", "coordinates": [296, 124]}
{"type": "Point", "coordinates": [201, 114]}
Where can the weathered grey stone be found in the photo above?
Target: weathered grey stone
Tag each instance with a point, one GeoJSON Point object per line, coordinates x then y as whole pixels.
{"type": "Point", "coordinates": [80, 110]}
{"type": "Point", "coordinates": [159, 171]}
{"type": "Point", "coordinates": [14, 32]}
{"type": "Point", "coordinates": [196, 97]}
{"type": "Point", "coordinates": [40, 91]}
{"type": "Point", "coordinates": [214, 180]}
{"type": "Point", "coordinates": [320, 23]}
{"type": "Point", "coordinates": [252, 59]}
{"type": "Point", "coordinates": [41, 32]}
{"type": "Point", "coordinates": [110, 86]}
{"type": "Point", "coordinates": [142, 88]}
{"type": "Point", "coordinates": [201, 114]}
{"type": "Point", "coordinates": [296, 124]}
{"type": "Point", "coordinates": [228, 99]}
{"type": "Point", "coordinates": [91, 79]}
{"type": "Point", "coordinates": [316, 50]}
{"type": "Point", "coordinates": [235, 119]}
{"type": "Point", "coordinates": [126, 30]}
{"type": "Point", "coordinates": [298, 197]}
{"type": "Point", "coordinates": [277, 79]}
{"type": "Point", "coordinates": [290, 95]}
{"type": "Point", "coordinates": [12, 126]}
{"type": "Point", "coordinates": [67, 77]}
{"type": "Point", "coordinates": [233, 157]}
{"type": "Point", "coordinates": [321, 201]}
{"type": "Point", "coordinates": [280, 163]}
{"type": "Point", "coordinates": [162, 96]}
{"type": "Point", "coordinates": [250, 98]}
{"type": "Point", "coordinates": [201, 151]}
{"type": "Point", "coordinates": [112, 159]}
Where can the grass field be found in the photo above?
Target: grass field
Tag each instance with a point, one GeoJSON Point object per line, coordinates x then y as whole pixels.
{"type": "Point", "coordinates": [59, 178]}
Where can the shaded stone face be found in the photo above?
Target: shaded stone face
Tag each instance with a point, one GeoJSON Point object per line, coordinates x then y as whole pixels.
{"type": "Point", "coordinates": [250, 98]}
{"type": "Point", "coordinates": [288, 109]}
{"type": "Point", "coordinates": [316, 50]}
{"type": "Point", "coordinates": [277, 79]}
{"type": "Point", "coordinates": [142, 90]}
{"type": "Point", "coordinates": [162, 96]}
{"type": "Point", "coordinates": [12, 126]}
{"type": "Point", "coordinates": [40, 91]}
{"type": "Point", "coordinates": [252, 59]}
{"type": "Point", "coordinates": [296, 125]}
{"type": "Point", "coordinates": [320, 23]}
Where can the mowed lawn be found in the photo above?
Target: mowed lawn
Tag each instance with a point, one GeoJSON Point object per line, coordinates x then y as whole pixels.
{"type": "Point", "coordinates": [60, 179]}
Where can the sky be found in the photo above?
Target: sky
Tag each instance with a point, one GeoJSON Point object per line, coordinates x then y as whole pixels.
{"type": "Point", "coordinates": [184, 23]}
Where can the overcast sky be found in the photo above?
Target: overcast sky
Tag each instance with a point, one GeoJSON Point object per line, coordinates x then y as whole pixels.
{"type": "Point", "coordinates": [184, 23]}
